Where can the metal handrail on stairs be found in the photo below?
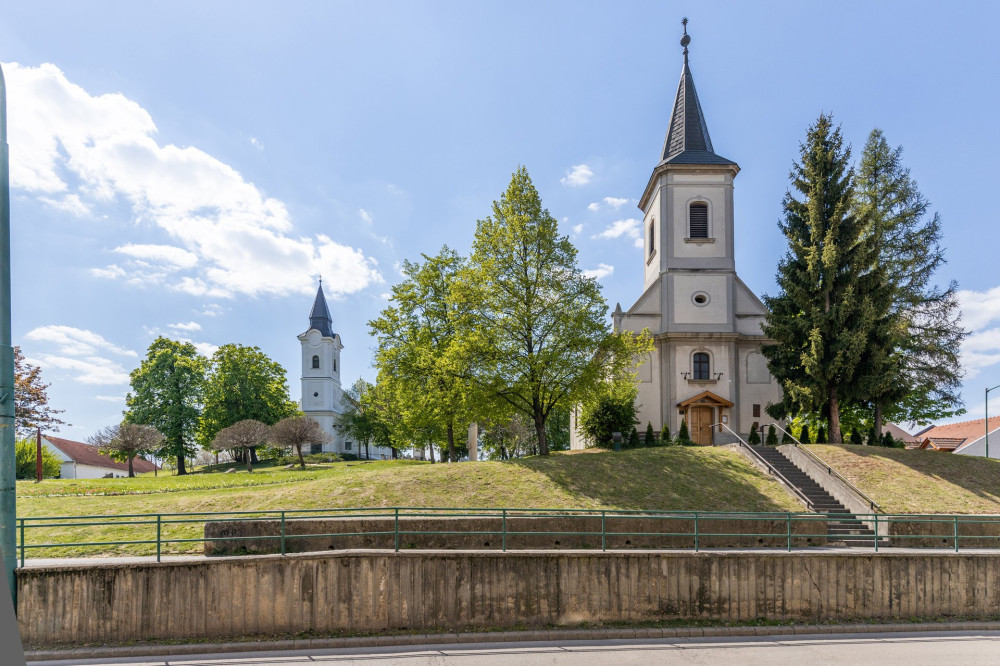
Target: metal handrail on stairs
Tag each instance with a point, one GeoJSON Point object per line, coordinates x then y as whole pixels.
{"type": "Point", "coordinates": [771, 468]}
{"type": "Point", "coordinates": [829, 469]}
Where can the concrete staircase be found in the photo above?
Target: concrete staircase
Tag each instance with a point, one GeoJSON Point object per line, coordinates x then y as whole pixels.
{"type": "Point", "coordinates": [843, 529]}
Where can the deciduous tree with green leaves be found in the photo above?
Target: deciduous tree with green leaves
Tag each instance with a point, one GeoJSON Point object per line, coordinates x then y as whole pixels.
{"type": "Point", "coordinates": [533, 329]}
{"type": "Point", "coordinates": [362, 417]}
{"type": "Point", "coordinates": [243, 383]}
{"type": "Point", "coordinates": [166, 393]}
{"type": "Point", "coordinates": [829, 319]}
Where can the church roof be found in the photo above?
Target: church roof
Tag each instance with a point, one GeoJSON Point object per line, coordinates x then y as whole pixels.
{"type": "Point", "coordinates": [319, 318]}
{"type": "Point", "coordinates": [687, 140]}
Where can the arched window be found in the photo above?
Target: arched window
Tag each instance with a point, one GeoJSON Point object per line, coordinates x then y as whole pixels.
{"type": "Point", "coordinates": [701, 363]}
{"type": "Point", "coordinates": [698, 220]}
{"type": "Point", "coordinates": [315, 362]}
{"type": "Point", "coordinates": [652, 237]}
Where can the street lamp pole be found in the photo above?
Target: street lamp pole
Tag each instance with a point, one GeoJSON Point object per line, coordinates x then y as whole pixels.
{"type": "Point", "coordinates": [987, 410]}
{"type": "Point", "coordinates": [7, 471]}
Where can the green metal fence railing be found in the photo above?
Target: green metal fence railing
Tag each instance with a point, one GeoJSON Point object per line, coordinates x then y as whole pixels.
{"type": "Point", "coordinates": [178, 532]}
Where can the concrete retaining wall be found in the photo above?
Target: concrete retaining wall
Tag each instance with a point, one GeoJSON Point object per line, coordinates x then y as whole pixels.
{"type": "Point", "coordinates": [355, 592]}
{"type": "Point", "coordinates": [523, 533]}
{"type": "Point", "coordinates": [938, 531]}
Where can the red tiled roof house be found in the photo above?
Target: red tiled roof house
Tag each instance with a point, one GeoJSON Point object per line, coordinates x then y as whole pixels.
{"type": "Point", "coordinates": [83, 461]}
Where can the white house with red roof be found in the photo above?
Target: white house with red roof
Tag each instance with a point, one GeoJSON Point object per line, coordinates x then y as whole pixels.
{"type": "Point", "coordinates": [967, 438]}
{"type": "Point", "coordinates": [83, 461]}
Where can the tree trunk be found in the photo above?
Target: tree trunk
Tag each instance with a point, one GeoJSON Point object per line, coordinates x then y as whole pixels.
{"type": "Point", "coordinates": [451, 442]}
{"type": "Point", "coordinates": [253, 455]}
{"type": "Point", "coordinates": [302, 461]}
{"type": "Point", "coordinates": [834, 435]}
{"type": "Point", "coordinates": [878, 420]}
{"type": "Point", "coordinates": [249, 461]}
{"type": "Point", "coordinates": [181, 471]}
{"type": "Point", "coordinates": [543, 445]}
{"type": "Point", "coordinates": [431, 448]}
{"type": "Point", "coordinates": [131, 472]}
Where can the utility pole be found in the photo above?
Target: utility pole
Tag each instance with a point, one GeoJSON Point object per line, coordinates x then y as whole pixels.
{"type": "Point", "coordinates": [8, 514]}
{"type": "Point", "coordinates": [38, 455]}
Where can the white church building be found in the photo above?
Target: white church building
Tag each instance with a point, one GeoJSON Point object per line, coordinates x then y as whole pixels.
{"type": "Point", "coordinates": [322, 393]}
{"type": "Point", "coordinates": [707, 367]}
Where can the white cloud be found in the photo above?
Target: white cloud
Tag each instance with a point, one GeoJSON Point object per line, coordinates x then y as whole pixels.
{"type": "Point", "coordinates": [187, 327]}
{"type": "Point", "coordinates": [110, 398]}
{"type": "Point", "coordinates": [602, 270]}
{"type": "Point", "coordinates": [69, 203]}
{"type": "Point", "coordinates": [365, 215]}
{"type": "Point", "coordinates": [981, 349]}
{"type": "Point", "coordinates": [211, 310]}
{"type": "Point", "coordinates": [80, 152]}
{"type": "Point", "coordinates": [594, 206]}
{"type": "Point", "coordinates": [637, 242]}
{"type": "Point", "coordinates": [90, 370]}
{"type": "Point", "coordinates": [204, 348]}
{"type": "Point", "coordinates": [255, 142]}
{"type": "Point", "coordinates": [979, 308]}
{"type": "Point", "coordinates": [75, 341]}
{"type": "Point", "coordinates": [615, 202]}
{"type": "Point", "coordinates": [580, 174]}
{"type": "Point", "coordinates": [622, 228]}
{"type": "Point", "coordinates": [110, 272]}
{"type": "Point", "coordinates": [578, 229]}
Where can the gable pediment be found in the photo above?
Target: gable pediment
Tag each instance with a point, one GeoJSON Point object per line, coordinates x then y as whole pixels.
{"type": "Point", "coordinates": [706, 398]}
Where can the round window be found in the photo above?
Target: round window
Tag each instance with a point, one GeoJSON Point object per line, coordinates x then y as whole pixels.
{"type": "Point", "coordinates": [700, 299]}
{"type": "Point", "coordinates": [316, 394]}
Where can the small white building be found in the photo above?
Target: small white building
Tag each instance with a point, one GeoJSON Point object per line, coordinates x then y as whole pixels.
{"type": "Point", "coordinates": [322, 393]}
{"type": "Point", "coordinates": [83, 461]}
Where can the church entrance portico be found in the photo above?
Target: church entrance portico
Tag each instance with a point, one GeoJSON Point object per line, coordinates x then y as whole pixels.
{"type": "Point", "coordinates": [703, 411]}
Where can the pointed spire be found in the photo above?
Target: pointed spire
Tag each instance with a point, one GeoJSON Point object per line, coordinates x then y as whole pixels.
{"type": "Point", "coordinates": [687, 140]}
{"type": "Point", "coordinates": [319, 318]}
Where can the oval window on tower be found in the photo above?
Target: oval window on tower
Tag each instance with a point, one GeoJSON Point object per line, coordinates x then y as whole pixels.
{"type": "Point", "coordinates": [700, 299]}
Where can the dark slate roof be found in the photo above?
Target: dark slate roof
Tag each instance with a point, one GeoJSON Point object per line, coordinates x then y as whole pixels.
{"type": "Point", "coordinates": [85, 454]}
{"type": "Point", "coordinates": [319, 318]}
{"type": "Point", "coordinates": [687, 139]}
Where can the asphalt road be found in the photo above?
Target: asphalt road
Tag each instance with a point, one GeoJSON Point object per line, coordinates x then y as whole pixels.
{"type": "Point", "coordinates": [909, 649]}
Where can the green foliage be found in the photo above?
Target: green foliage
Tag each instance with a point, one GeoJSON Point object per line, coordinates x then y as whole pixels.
{"type": "Point", "coordinates": [785, 437]}
{"type": "Point", "coordinates": [125, 441]}
{"type": "Point", "coordinates": [890, 442]}
{"type": "Point", "coordinates": [683, 436]}
{"type": "Point", "coordinates": [612, 411]}
{"type": "Point", "coordinates": [363, 416]}
{"type": "Point", "coordinates": [873, 438]}
{"type": "Point", "coordinates": [649, 439]}
{"type": "Point", "coordinates": [633, 439]}
{"type": "Point", "coordinates": [557, 429]}
{"type": "Point", "coordinates": [804, 437]}
{"type": "Point", "coordinates": [754, 438]}
{"type": "Point", "coordinates": [821, 435]}
{"type": "Point", "coordinates": [534, 331]}
{"type": "Point", "coordinates": [166, 393]}
{"type": "Point", "coordinates": [665, 438]}
{"type": "Point", "coordinates": [772, 436]}
{"type": "Point", "coordinates": [829, 319]}
{"type": "Point", "coordinates": [26, 457]}
{"type": "Point", "coordinates": [923, 383]}
{"type": "Point", "coordinates": [416, 354]}
{"type": "Point", "coordinates": [856, 437]}
{"type": "Point", "coordinates": [31, 400]}
{"type": "Point", "coordinates": [243, 383]}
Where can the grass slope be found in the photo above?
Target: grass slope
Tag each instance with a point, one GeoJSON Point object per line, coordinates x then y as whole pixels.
{"type": "Point", "coordinates": [918, 481]}
{"type": "Point", "coordinates": [672, 478]}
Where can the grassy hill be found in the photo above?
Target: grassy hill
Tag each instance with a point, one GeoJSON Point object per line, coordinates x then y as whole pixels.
{"type": "Point", "coordinates": [673, 478]}
{"type": "Point", "coordinates": [918, 481]}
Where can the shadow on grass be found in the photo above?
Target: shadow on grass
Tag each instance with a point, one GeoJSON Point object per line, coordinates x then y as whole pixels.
{"type": "Point", "coordinates": [672, 478]}
{"type": "Point", "coordinates": [915, 481]}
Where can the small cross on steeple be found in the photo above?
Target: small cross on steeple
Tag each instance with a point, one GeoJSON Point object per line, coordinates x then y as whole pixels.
{"type": "Point", "coordinates": [686, 39]}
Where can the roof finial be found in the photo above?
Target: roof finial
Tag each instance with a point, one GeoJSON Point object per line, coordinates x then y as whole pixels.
{"type": "Point", "coordinates": [686, 39]}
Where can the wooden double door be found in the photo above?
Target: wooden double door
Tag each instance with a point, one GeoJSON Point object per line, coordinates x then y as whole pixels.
{"type": "Point", "coordinates": [700, 425]}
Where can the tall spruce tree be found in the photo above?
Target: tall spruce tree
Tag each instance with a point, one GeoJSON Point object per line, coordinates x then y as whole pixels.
{"type": "Point", "coordinates": [827, 311]}
{"type": "Point", "coordinates": [923, 381]}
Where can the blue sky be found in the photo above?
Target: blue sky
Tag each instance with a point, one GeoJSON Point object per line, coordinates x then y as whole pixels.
{"type": "Point", "coordinates": [187, 168]}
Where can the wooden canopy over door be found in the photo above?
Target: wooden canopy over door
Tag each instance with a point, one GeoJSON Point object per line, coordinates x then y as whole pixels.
{"type": "Point", "coordinates": [702, 412]}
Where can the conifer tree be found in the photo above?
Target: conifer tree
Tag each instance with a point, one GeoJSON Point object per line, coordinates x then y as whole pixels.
{"type": "Point", "coordinates": [873, 437]}
{"type": "Point", "coordinates": [785, 438]}
{"type": "Point", "coordinates": [856, 437]}
{"type": "Point", "coordinates": [888, 441]}
{"type": "Point", "coordinates": [683, 437]}
{"type": "Point", "coordinates": [804, 437]}
{"type": "Point", "coordinates": [633, 439]}
{"type": "Point", "coordinates": [754, 438]}
{"type": "Point", "coordinates": [650, 437]}
{"type": "Point", "coordinates": [821, 435]}
{"type": "Point", "coordinates": [922, 381]}
{"type": "Point", "coordinates": [827, 311]}
{"type": "Point", "coordinates": [665, 439]}
{"type": "Point", "coordinates": [772, 436]}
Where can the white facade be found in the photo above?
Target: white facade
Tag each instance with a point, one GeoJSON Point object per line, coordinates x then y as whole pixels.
{"type": "Point", "coordinates": [706, 367]}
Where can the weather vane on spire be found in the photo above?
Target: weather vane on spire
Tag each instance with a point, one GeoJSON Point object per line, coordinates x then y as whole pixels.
{"type": "Point", "coordinates": [686, 39]}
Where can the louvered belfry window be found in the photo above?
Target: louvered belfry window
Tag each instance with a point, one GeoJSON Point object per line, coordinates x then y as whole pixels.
{"type": "Point", "coordinates": [698, 219]}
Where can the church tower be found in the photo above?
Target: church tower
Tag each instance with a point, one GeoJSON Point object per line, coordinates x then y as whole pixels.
{"type": "Point", "coordinates": [321, 390]}
{"type": "Point", "coordinates": [706, 323]}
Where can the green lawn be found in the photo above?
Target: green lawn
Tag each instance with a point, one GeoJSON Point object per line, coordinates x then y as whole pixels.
{"type": "Point", "coordinates": [918, 481]}
{"type": "Point", "coordinates": [678, 478]}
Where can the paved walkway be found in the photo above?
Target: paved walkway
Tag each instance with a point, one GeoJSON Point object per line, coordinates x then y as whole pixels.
{"type": "Point", "coordinates": [968, 648]}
